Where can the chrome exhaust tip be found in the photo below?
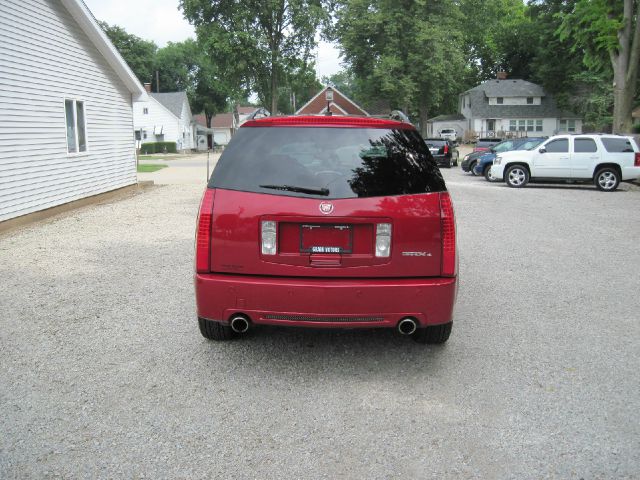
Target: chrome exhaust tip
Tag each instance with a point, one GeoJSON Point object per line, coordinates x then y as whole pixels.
{"type": "Point", "coordinates": [239, 324]}
{"type": "Point", "coordinates": [407, 326]}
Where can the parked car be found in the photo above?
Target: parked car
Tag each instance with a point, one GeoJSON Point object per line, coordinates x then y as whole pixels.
{"type": "Point", "coordinates": [357, 231]}
{"type": "Point", "coordinates": [485, 161]}
{"type": "Point", "coordinates": [444, 152]}
{"type": "Point", "coordinates": [484, 144]}
{"type": "Point", "coordinates": [605, 160]}
{"type": "Point", "coordinates": [449, 134]}
{"type": "Point", "coordinates": [469, 161]}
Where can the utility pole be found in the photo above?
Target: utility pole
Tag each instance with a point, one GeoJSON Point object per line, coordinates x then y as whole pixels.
{"type": "Point", "coordinates": [157, 81]}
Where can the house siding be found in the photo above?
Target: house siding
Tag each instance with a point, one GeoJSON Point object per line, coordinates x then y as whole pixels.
{"type": "Point", "coordinates": [158, 117]}
{"type": "Point", "coordinates": [45, 58]}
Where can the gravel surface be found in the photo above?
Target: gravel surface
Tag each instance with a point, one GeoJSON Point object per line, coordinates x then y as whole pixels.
{"type": "Point", "coordinates": [104, 373]}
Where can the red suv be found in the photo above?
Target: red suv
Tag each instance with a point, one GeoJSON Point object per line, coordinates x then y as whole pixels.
{"type": "Point", "coordinates": [326, 221]}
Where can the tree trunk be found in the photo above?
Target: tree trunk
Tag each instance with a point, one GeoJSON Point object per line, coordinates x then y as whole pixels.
{"type": "Point", "coordinates": [625, 69]}
{"type": "Point", "coordinates": [423, 113]}
{"type": "Point", "coordinates": [274, 91]}
{"type": "Point", "coordinates": [208, 116]}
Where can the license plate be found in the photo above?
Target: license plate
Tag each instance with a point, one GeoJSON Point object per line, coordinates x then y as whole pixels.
{"type": "Point", "coordinates": [326, 238]}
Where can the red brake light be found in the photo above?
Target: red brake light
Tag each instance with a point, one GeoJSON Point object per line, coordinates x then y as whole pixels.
{"type": "Point", "coordinates": [637, 162]}
{"type": "Point", "coordinates": [327, 121]}
{"type": "Point", "coordinates": [203, 234]}
{"type": "Point", "coordinates": [446, 148]}
{"type": "Point", "coordinates": [448, 223]}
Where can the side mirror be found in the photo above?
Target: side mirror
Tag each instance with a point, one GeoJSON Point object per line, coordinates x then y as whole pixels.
{"type": "Point", "coordinates": [542, 150]}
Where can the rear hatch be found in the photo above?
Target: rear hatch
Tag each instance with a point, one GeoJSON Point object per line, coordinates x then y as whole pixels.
{"type": "Point", "coordinates": [436, 146]}
{"type": "Point", "coordinates": [327, 201]}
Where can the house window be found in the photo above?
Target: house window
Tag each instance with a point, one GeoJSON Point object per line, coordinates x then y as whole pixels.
{"type": "Point", "coordinates": [499, 100]}
{"type": "Point", "coordinates": [522, 125]}
{"type": "Point", "coordinates": [513, 125]}
{"type": "Point", "coordinates": [144, 134]}
{"type": "Point", "coordinates": [530, 125]}
{"type": "Point", "coordinates": [529, 100]}
{"type": "Point", "coordinates": [137, 133]}
{"type": "Point", "coordinates": [567, 125]}
{"type": "Point", "coordinates": [538, 125]}
{"type": "Point", "coordinates": [145, 111]}
{"type": "Point", "coordinates": [76, 126]}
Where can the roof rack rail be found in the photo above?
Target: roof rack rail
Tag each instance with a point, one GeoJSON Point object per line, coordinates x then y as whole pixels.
{"type": "Point", "coordinates": [400, 116]}
{"type": "Point", "coordinates": [259, 111]}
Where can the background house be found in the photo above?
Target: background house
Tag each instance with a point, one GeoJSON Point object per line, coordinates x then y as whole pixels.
{"type": "Point", "coordinates": [66, 96]}
{"type": "Point", "coordinates": [223, 126]}
{"type": "Point", "coordinates": [165, 117]}
{"type": "Point", "coordinates": [340, 105]}
{"type": "Point", "coordinates": [507, 107]}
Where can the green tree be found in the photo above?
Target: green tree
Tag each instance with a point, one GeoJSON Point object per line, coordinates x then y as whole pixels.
{"type": "Point", "coordinates": [406, 52]}
{"type": "Point", "coordinates": [492, 38]}
{"type": "Point", "coordinates": [257, 43]}
{"type": "Point", "coordinates": [212, 93]}
{"type": "Point", "coordinates": [177, 65]}
{"type": "Point", "coordinates": [138, 53]}
{"type": "Point", "coordinates": [608, 31]}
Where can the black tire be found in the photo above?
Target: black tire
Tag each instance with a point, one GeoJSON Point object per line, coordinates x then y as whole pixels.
{"type": "Point", "coordinates": [487, 173]}
{"type": "Point", "coordinates": [449, 163]}
{"type": "Point", "coordinates": [516, 176]}
{"type": "Point", "coordinates": [471, 167]}
{"type": "Point", "coordinates": [215, 330]}
{"type": "Point", "coordinates": [607, 179]}
{"type": "Point", "coordinates": [435, 335]}
{"type": "Point", "coordinates": [457, 158]}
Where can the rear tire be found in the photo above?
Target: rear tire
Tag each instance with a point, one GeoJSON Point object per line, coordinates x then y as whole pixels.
{"type": "Point", "coordinates": [457, 158]}
{"type": "Point", "coordinates": [434, 335]}
{"type": "Point", "coordinates": [215, 330]}
{"type": "Point", "coordinates": [607, 179]}
{"type": "Point", "coordinates": [516, 176]}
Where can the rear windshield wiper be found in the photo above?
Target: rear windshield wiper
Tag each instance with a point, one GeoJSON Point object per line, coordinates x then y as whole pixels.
{"type": "Point", "coordinates": [292, 188]}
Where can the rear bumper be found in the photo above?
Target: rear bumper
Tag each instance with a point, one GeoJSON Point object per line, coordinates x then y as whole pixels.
{"type": "Point", "coordinates": [337, 303]}
{"type": "Point", "coordinates": [630, 173]}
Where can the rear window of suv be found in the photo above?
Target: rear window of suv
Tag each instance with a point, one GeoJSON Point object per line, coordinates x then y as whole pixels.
{"type": "Point", "coordinates": [617, 145]}
{"type": "Point", "coordinates": [327, 162]}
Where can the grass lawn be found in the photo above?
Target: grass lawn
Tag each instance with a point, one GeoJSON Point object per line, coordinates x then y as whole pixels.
{"type": "Point", "coordinates": [151, 157]}
{"type": "Point", "coordinates": [148, 167]}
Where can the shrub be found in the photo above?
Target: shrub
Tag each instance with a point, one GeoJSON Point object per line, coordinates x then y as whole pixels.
{"type": "Point", "coordinates": [636, 128]}
{"type": "Point", "coordinates": [158, 147]}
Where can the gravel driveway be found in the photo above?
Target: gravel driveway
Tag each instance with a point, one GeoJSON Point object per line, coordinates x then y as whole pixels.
{"type": "Point", "coordinates": [105, 375]}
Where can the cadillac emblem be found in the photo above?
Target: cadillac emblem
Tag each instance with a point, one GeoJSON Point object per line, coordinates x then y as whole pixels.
{"type": "Point", "coordinates": [326, 208]}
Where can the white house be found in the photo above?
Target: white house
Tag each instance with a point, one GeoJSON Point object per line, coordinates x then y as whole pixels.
{"type": "Point", "coordinates": [507, 107]}
{"type": "Point", "coordinates": [164, 117]}
{"type": "Point", "coordinates": [66, 98]}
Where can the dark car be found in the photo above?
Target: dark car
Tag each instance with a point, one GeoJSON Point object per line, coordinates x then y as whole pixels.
{"type": "Point", "coordinates": [484, 162]}
{"type": "Point", "coordinates": [444, 152]}
{"type": "Point", "coordinates": [469, 161]}
{"type": "Point", "coordinates": [326, 222]}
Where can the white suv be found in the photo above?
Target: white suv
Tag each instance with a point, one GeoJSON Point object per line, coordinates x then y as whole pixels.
{"type": "Point", "coordinates": [449, 134]}
{"type": "Point", "coordinates": [605, 160]}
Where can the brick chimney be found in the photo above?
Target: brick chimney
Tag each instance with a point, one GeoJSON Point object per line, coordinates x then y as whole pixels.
{"type": "Point", "coordinates": [502, 75]}
{"type": "Point", "coordinates": [147, 87]}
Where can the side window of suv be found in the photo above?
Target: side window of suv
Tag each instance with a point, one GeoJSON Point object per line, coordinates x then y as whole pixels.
{"type": "Point", "coordinates": [584, 145]}
{"type": "Point", "coordinates": [558, 146]}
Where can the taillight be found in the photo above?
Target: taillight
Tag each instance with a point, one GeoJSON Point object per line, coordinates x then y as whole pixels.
{"type": "Point", "coordinates": [448, 223]}
{"type": "Point", "coordinates": [269, 235]}
{"type": "Point", "coordinates": [383, 240]}
{"type": "Point", "coordinates": [446, 148]}
{"type": "Point", "coordinates": [203, 234]}
{"type": "Point", "coordinates": [637, 162]}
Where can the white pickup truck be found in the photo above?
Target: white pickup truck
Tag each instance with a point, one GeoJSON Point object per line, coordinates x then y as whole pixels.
{"type": "Point", "coordinates": [605, 160]}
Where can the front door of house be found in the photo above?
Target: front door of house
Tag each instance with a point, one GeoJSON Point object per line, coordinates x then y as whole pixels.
{"type": "Point", "coordinates": [491, 125]}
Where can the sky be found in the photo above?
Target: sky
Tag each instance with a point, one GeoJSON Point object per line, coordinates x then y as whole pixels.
{"type": "Point", "coordinates": [162, 22]}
